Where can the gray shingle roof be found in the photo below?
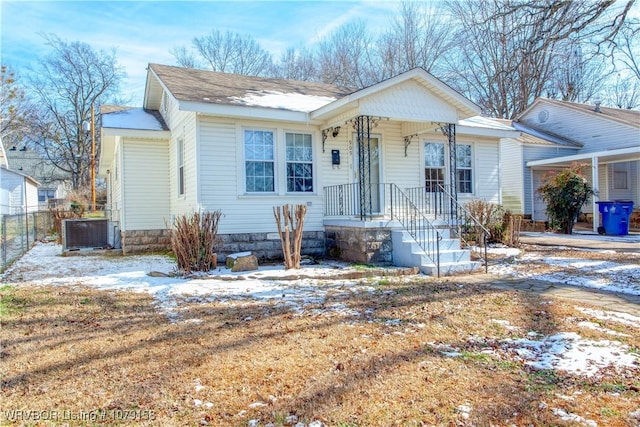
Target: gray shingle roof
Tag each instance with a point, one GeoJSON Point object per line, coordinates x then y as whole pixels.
{"type": "Point", "coordinates": [187, 84]}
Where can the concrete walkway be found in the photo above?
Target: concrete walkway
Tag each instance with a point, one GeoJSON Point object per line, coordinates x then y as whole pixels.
{"type": "Point", "coordinates": [580, 239]}
{"type": "Point", "coordinates": [611, 301]}
{"type": "Point", "coordinates": [584, 240]}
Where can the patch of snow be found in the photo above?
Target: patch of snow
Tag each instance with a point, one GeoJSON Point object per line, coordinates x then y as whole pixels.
{"type": "Point", "coordinates": [464, 411]}
{"type": "Point", "coordinates": [569, 352]}
{"type": "Point", "coordinates": [284, 101]}
{"type": "Point", "coordinates": [571, 417]}
{"type": "Point", "coordinates": [257, 405]}
{"type": "Point", "coordinates": [602, 275]}
{"type": "Point", "coordinates": [597, 327]}
{"type": "Point", "coordinates": [134, 118]}
{"type": "Point", "coordinates": [505, 323]}
{"type": "Point", "coordinates": [44, 265]}
{"type": "Point", "coordinates": [624, 318]}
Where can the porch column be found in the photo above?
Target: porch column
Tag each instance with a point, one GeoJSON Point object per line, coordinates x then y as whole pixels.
{"type": "Point", "coordinates": [362, 126]}
{"type": "Point", "coordinates": [596, 196]}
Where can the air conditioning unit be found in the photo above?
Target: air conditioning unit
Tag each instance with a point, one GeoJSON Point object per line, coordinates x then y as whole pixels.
{"type": "Point", "coordinates": [84, 234]}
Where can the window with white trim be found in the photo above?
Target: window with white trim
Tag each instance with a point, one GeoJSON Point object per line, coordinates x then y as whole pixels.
{"type": "Point", "coordinates": [180, 165]}
{"type": "Point", "coordinates": [45, 194]}
{"type": "Point", "coordinates": [620, 175]}
{"type": "Point", "coordinates": [433, 165]}
{"type": "Point", "coordinates": [259, 161]}
{"type": "Point", "coordinates": [299, 156]}
{"type": "Point", "coordinates": [464, 168]}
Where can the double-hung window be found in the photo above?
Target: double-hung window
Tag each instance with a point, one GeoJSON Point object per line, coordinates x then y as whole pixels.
{"type": "Point", "coordinates": [259, 161]}
{"type": "Point", "coordinates": [464, 174]}
{"type": "Point", "coordinates": [299, 155]}
{"type": "Point", "coordinates": [433, 165]}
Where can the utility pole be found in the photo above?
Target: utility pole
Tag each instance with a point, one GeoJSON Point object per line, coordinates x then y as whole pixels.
{"type": "Point", "coordinates": [93, 158]}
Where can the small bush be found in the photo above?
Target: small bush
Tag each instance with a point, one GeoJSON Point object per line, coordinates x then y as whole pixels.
{"type": "Point", "coordinates": [490, 215]}
{"type": "Point", "coordinates": [565, 193]}
{"type": "Point", "coordinates": [193, 240]}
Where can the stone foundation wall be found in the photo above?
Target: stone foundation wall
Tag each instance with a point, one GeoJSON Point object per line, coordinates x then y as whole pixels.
{"type": "Point", "coordinates": [266, 246]}
{"type": "Point", "coordinates": [359, 244]}
{"type": "Point", "coordinates": [141, 241]}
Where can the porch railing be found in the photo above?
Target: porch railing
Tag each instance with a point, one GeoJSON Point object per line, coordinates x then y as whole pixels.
{"type": "Point", "coordinates": [467, 227]}
{"type": "Point", "coordinates": [389, 200]}
{"type": "Point", "coordinates": [442, 205]}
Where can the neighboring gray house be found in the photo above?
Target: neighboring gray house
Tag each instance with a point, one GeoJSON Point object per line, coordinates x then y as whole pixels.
{"type": "Point", "coordinates": [553, 135]}
{"type": "Point", "coordinates": [54, 183]}
{"type": "Point", "coordinates": [18, 192]}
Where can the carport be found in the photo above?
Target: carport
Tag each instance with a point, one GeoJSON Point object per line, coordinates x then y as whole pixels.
{"type": "Point", "coordinates": [597, 160]}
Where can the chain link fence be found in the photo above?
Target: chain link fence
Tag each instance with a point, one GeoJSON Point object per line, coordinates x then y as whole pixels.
{"type": "Point", "coordinates": [19, 232]}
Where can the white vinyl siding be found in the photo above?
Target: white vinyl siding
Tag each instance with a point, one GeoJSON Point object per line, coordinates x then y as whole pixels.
{"type": "Point", "coordinates": [512, 169]}
{"type": "Point", "coordinates": [187, 202]}
{"type": "Point", "coordinates": [221, 166]}
{"type": "Point", "coordinates": [145, 182]}
{"type": "Point", "coordinates": [485, 171]}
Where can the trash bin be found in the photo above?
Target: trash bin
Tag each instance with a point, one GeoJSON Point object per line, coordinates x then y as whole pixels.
{"type": "Point", "coordinates": [615, 217]}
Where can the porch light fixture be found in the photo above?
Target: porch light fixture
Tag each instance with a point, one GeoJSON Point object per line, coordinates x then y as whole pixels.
{"type": "Point", "coordinates": [335, 131]}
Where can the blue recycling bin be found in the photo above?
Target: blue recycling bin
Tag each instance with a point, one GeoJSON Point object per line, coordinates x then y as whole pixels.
{"type": "Point", "coordinates": [615, 216]}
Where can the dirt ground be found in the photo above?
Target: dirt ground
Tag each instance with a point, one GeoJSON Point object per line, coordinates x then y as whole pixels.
{"type": "Point", "coordinates": [410, 351]}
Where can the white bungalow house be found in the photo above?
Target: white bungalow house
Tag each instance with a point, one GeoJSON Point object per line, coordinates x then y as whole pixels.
{"type": "Point", "coordinates": [18, 192]}
{"type": "Point", "coordinates": [553, 135]}
{"type": "Point", "coordinates": [379, 169]}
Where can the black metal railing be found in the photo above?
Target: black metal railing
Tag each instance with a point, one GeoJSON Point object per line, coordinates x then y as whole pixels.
{"type": "Point", "coordinates": [471, 232]}
{"type": "Point", "coordinates": [388, 200]}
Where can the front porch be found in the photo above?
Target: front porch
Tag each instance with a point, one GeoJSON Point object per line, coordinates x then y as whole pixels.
{"type": "Point", "coordinates": [413, 227]}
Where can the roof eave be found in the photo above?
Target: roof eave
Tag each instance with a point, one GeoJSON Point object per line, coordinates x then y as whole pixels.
{"type": "Point", "coordinates": [629, 154]}
{"type": "Point", "coordinates": [480, 131]}
{"type": "Point", "coordinates": [246, 112]}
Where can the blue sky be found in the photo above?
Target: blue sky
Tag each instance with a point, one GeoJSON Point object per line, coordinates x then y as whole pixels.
{"type": "Point", "coordinates": [144, 31]}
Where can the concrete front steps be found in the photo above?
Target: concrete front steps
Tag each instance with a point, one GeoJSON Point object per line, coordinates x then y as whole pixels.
{"type": "Point", "coordinates": [453, 259]}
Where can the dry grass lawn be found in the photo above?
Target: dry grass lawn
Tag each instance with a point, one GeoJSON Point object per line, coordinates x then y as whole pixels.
{"type": "Point", "coordinates": [113, 359]}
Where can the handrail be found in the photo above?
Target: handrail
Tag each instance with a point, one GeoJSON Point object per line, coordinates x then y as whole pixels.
{"type": "Point", "coordinates": [424, 233]}
{"type": "Point", "coordinates": [466, 226]}
{"type": "Point", "coordinates": [343, 200]}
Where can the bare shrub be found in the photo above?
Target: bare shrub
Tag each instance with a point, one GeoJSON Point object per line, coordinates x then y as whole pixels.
{"type": "Point", "coordinates": [193, 240]}
{"type": "Point", "coordinates": [290, 233]}
{"type": "Point", "coordinates": [490, 215]}
{"type": "Point", "coordinates": [512, 227]}
{"type": "Point", "coordinates": [60, 215]}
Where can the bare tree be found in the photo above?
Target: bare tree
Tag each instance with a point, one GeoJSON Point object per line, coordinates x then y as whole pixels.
{"type": "Point", "coordinates": [627, 46]}
{"type": "Point", "coordinates": [345, 56]}
{"type": "Point", "coordinates": [509, 50]}
{"type": "Point", "coordinates": [418, 37]}
{"type": "Point", "coordinates": [297, 65]}
{"type": "Point", "coordinates": [185, 58]}
{"type": "Point", "coordinates": [576, 76]}
{"type": "Point", "coordinates": [227, 52]}
{"type": "Point", "coordinates": [624, 93]}
{"type": "Point", "coordinates": [67, 83]}
{"type": "Point", "coordinates": [16, 110]}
